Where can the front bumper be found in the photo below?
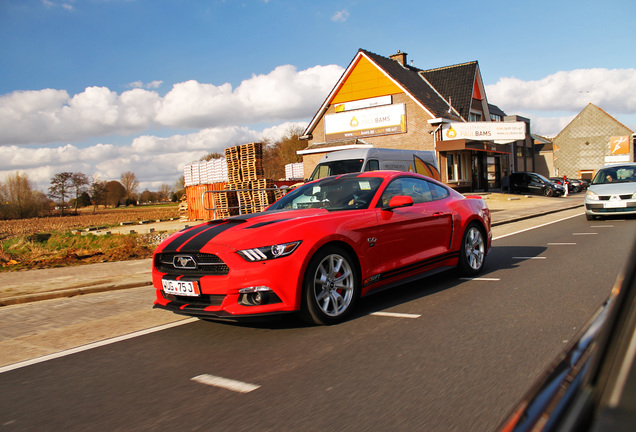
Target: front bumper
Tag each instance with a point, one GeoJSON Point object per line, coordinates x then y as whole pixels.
{"type": "Point", "coordinates": [602, 208]}
{"type": "Point", "coordinates": [201, 312]}
{"type": "Point", "coordinates": [220, 294]}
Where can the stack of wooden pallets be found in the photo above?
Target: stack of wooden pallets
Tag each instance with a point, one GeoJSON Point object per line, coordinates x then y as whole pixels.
{"type": "Point", "coordinates": [246, 175]}
{"type": "Point", "coordinates": [225, 204]}
{"type": "Point", "coordinates": [261, 197]}
{"type": "Point", "coordinates": [252, 161]}
{"type": "Point", "coordinates": [233, 160]}
{"type": "Point", "coordinates": [243, 191]}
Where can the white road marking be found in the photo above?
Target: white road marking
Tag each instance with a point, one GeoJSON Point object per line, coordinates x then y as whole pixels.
{"type": "Point", "coordinates": [585, 233]}
{"type": "Point", "coordinates": [480, 279]}
{"type": "Point", "coordinates": [529, 258]}
{"type": "Point", "coordinates": [396, 315]}
{"type": "Point", "coordinates": [601, 226]}
{"type": "Point", "coordinates": [93, 345]}
{"type": "Point", "coordinates": [537, 226]}
{"type": "Point", "coordinates": [226, 383]}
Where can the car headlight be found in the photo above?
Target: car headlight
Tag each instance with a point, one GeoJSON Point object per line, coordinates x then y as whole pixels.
{"type": "Point", "coordinates": [592, 196]}
{"type": "Point", "coordinates": [269, 252]}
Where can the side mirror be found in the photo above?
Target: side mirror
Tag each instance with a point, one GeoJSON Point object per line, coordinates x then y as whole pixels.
{"type": "Point", "coordinates": [399, 201]}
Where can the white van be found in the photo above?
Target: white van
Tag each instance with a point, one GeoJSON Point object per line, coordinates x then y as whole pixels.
{"type": "Point", "coordinates": [374, 159]}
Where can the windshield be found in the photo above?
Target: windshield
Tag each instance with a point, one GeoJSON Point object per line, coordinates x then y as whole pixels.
{"type": "Point", "coordinates": [326, 169]}
{"type": "Point", "coordinates": [542, 178]}
{"type": "Point", "coordinates": [342, 193]}
{"type": "Point", "coordinates": [615, 174]}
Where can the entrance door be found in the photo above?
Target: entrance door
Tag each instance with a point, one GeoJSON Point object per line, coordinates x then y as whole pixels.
{"type": "Point", "coordinates": [494, 172]}
{"type": "Point", "coordinates": [477, 162]}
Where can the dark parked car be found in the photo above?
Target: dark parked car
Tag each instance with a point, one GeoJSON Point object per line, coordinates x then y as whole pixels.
{"type": "Point", "coordinates": [533, 183]}
{"type": "Point", "coordinates": [574, 185]}
{"type": "Point", "coordinates": [592, 386]}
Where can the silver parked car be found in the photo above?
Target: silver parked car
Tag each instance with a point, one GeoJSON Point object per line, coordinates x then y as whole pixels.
{"type": "Point", "coordinates": [612, 191]}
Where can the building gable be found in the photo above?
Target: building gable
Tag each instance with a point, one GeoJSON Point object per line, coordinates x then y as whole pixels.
{"type": "Point", "coordinates": [370, 75]}
{"type": "Point", "coordinates": [364, 81]}
{"type": "Point", "coordinates": [584, 145]}
{"type": "Point", "coordinates": [459, 84]}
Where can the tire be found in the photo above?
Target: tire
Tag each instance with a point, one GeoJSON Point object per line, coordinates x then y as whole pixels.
{"type": "Point", "coordinates": [548, 192]}
{"type": "Point", "coordinates": [472, 253]}
{"type": "Point", "coordinates": [330, 287]}
{"type": "Point", "coordinates": [589, 217]}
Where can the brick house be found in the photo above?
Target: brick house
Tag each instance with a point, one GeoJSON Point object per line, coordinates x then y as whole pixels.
{"type": "Point", "coordinates": [590, 141]}
{"type": "Point", "coordinates": [385, 102]}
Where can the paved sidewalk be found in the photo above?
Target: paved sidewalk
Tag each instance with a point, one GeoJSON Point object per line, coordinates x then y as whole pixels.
{"type": "Point", "coordinates": [34, 285]}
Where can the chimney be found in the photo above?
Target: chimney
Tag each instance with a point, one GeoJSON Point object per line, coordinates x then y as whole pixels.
{"type": "Point", "coordinates": [400, 57]}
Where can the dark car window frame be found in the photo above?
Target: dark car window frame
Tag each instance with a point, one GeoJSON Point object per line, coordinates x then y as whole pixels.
{"type": "Point", "coordinates": [421, 190]}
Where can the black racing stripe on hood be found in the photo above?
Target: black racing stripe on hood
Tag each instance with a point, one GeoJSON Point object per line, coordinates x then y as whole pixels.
{"type": "Point", "coordinates": [196, 243]}
{"type": "Point", "coordinates": [179, 241]}
{"type": "Point", "coordinates": [262, 224]}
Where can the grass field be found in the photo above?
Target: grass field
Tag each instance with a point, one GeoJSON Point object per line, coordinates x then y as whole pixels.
{"type": "Point", "coordinates": [50, 242]}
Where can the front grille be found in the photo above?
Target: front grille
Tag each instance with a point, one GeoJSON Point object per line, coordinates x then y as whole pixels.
{"type": "Point", "coordinates": [203, 300]}
{"type": "Point", "coordinates": [206, 264]}
{"type": "Point", "coordinates": [607, 197]}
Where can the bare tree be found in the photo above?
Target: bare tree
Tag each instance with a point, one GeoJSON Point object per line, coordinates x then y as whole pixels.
{"type": "Point", "coordinates": [210, 156]}
{"type": "Point", "coordinates": [61, 185]}
{"type": "Point", "coordinates": [115, 193]}
{"type": "Point", "coordinates": [98, 193]}
{"type": "Point", "coordinates": [19, 199]}
{"type": "Point", "coordinates": [164, 192]}
{"type": "Point", "coordinates": [283, 152]}
{"type": "Point", "coordinates": [79, 182]}
{"type": "Point", "coordinates": [130, 183]}
{"type": "Point", "coordinates": [179, 188]}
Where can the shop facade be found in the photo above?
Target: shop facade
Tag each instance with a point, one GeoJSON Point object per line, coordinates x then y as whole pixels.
{"type": "Point", "coordinates": [385, 102]}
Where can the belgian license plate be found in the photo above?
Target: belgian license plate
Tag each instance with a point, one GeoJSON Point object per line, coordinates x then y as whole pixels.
{"type": "Point", "coordinates": [615, 204]}
{"type": "Point", "coordinates": [182, 288]}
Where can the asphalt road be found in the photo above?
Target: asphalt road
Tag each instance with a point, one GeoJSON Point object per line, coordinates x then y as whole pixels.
{"type": "Point", "coordinates": [457, 356]}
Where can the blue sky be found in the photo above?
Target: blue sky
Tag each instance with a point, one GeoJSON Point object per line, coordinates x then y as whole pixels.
{"type": "Point", "coordinates": [106, 86]}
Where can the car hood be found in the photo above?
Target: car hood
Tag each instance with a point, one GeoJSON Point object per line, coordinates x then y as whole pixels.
{"type": "Point", "coordinates": [253, 230]}
{"type": "Point", "coordinates": [614, 188]}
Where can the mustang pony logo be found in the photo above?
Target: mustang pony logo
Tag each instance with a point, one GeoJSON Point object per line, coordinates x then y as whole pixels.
{"type": "Point", "coordinates": [184, 262]}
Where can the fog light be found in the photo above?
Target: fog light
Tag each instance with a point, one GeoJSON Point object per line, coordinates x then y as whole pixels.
{"type": "Point", "coordinates": [255, 296]}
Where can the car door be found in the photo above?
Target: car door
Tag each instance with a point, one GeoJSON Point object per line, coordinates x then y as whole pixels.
{"type": "Point", "coordinates": [410, 237]}
{"type": "Point", "coordinates": [535, 185]}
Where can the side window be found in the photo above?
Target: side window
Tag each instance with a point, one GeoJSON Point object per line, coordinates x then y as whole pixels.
{"type": "Point", "coordinates": [393, 189]}
{"type": "Point", "coordinates": [438, 192]}
{"type": "Point", "coordinates": [418, 189]}
{"type": "Point", "coordinates": [372, 165]}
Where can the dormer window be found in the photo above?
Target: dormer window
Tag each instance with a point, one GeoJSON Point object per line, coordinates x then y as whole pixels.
{"type": "Point", "coordinates": [474, 116]}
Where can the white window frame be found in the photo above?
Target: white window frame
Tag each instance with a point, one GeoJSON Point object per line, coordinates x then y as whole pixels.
{"type": "Point", "coordinates": [475, 116]}
{"type": "Point", "coordinates": [457, 165]}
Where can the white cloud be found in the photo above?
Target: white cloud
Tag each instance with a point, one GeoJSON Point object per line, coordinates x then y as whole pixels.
{"type": "Point", "coordinates": [282, 94]}
{"type": "Point", "coordinates": [552, 102]}
{"type": "Point", "coordinates": [340, 16]}
{"type": "Point", "coordinates": [50, 116]}
{"type": "Point", "coordinates": [140, 84]}
{"type": "Point", "coordinates": [154, 160]}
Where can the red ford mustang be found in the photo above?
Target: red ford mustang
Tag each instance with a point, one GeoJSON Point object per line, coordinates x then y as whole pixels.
{"type": "Point", "coordinates": [321, 247]}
